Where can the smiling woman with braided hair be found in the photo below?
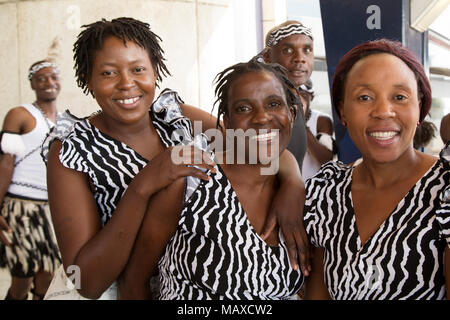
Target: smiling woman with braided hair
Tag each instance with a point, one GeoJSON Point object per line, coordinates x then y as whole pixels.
{"type": "Point", "coordinates": [208, 242]}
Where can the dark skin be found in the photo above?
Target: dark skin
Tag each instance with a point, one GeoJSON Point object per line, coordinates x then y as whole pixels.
{"type": "Point", "coordinates": [123, 83]}
{"type": "Point", "coordinates": [46, 85]}
{"type": "Point", "coordinates": [296, 54]}
{"type": "Point", "coordinates": [265, 108]}
{"type": "Point", "coordinates": [380, 95]}
{"type": "Point", "coordinates": [119, 73]}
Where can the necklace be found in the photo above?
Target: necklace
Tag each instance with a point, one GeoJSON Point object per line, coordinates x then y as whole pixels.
{"type": "Point", "coordinates": [43, 114]}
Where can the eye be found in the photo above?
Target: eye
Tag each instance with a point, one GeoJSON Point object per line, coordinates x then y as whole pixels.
{"type": "Point", "coordinates": [308, 50]}
{"type": "Point", "coordinates": [274, 104]}
{"type": "Point", "coordinates": [108, 73]}
{"type": "Point", "coordinates": [364, 97]}
{"type": "Point", "coordinates": [243, 109]}
{"type": "Point", "coordinates": [288, 51]}
{"type": "Point", "coordinates": [400, 97]}
{"type": "Point", "coordinates": [139, 69]}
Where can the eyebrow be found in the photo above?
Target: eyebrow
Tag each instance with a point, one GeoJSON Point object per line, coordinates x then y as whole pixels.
{"type": "Point", "coordinates": [308, 43]}
{"type": "Point", "coordinates": [275, 96]}
{"type": "Point", "coordinates": [398, 85]}
{"type": "Point", "coordinates": [114, 64]}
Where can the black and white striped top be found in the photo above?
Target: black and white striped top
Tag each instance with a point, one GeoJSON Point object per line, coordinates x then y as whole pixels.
{"type": "Point", "coordinates": [216, 253]}
{"type": "Point", "coordinates": [111, 164]}
{"type": "Point", "coordinates": [404, 257]}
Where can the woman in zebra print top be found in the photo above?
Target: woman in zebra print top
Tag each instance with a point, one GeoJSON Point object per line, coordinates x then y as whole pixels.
{"type": "Point", "coordinates": [101, 177]}
{"type": "Point", "coordinates": [381, 228]}
{"type": "Point", "coordinates": [99, 182]}
{"type": "Point", "coordinates": [214, 248]}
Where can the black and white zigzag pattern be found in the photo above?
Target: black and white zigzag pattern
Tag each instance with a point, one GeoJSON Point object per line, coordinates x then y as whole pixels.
{"type": "Point", "coordinates": [216, 253]}
{"type": "Point", "coordinates": [402, 260]}
{"type": "Point", "coordinates": [111, 164]}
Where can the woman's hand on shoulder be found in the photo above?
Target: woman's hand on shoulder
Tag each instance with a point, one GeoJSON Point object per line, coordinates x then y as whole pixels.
{"type": "Point", "coordinates": [287, 211]}
{"type": "Point", "coordinates": [173, 163]}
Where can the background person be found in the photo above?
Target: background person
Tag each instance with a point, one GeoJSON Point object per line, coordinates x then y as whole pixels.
{"type": "Point", "coordinates": [444, 129]}
{"type": "Point", "coordinates": [381, 228]}
{"type": "Point", "coordinates": [291, 45]}
{"type": "Point", "coordinates": [29, 249]}
{"type": "Point", "coordinates": [319, 130]}
{"type": "Point", "coordinates": [424, 134]}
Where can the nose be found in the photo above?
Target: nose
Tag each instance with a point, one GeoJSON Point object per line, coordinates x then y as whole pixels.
{"type": "Point", "coordinates": [261, 117]}
{"type": "Point", "coordinates": [383, 109]}
{"type": "Point", "coordinates": [299, 56]}
{"type": "Point", "coordinates": [126, 81]}
{"type": "Point", "coordinates": [50, 81]}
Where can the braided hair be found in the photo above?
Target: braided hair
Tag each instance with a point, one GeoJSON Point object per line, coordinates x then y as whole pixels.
{"type": "Point", "coordinates": [127, 29]}
{"type": "Point", "coordinates": [225, 79]}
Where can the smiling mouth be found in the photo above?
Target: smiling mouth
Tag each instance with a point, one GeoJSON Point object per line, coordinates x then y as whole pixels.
{"type": "Point", "coordinates": [128, 101]}
{"type": "Point", "coordinates": [51, 90]}
{"type": "Point", "coordinates": [383, 135]}
{"type": "Point", "coordinates": [264, 137]}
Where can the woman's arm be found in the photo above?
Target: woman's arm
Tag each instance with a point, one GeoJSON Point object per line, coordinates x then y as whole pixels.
{"type": "Point", "coordinates": [102, 252]}
{"type": "Point", "coordinates": [208, 121]}
{"type": "Point", "coordinates": [159, 225]}
{"type": "Point", "coordinates": [315, 288]}
{"type": "Point", "coordinates": [287, 210]}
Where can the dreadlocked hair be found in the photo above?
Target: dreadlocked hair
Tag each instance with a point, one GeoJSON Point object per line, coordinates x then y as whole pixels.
{"type": "Point", "coordinates": [127, 29]}
{"type": "Point", "coordinates": [225, 79]}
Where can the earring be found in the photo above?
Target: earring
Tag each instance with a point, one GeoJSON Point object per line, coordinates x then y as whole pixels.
{"type": "Point", "coordinates": [418, 123]}
{"type": "Point", "coordinates": [344, 124]}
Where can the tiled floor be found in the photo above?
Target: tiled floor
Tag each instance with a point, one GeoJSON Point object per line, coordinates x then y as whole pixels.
{"type": "Point", "coordinates": [5, 280]}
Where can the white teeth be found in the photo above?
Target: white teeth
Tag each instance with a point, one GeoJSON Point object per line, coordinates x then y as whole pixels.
{"type": "Point", "coordinates": [49, 90]}
{"type": "Point", "coordinates": [264, 137]}
{"type": "Point", "coordinates": [383, 135]}
{"type": "Point", "coordinates": [128, 101]}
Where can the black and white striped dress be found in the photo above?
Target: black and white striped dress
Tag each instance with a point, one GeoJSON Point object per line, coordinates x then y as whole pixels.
{"type": "Point", "coordinates": [404, 257]}
{"type": "Point", "coordinates": [216, 253]}
{"type": "Point", "coordinates": [111, 164]}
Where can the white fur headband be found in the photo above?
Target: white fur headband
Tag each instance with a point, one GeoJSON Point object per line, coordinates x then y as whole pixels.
{"type": "Point", "coordinates": [40, 66]}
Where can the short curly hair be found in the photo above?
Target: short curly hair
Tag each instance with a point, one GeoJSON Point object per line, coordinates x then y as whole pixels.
{"type": "Point", "coordinates": [127, 29]}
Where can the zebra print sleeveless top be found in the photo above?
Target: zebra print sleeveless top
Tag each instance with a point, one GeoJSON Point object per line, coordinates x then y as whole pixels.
{"type": "Point", "coordinates": [216, 254]}
{"type": "Point", "coordinates": [111, 164]}
{"type": "Point", "coordinates": [404, 257]}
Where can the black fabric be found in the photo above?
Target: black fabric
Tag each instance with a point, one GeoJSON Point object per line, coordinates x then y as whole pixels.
{"type": "Point", "coordinates": [297, 145]}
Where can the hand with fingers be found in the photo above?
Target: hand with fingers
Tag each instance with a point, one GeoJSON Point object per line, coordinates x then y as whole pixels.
{"type": "Point", "coordinates": [4, 228]}
{"type": "Point", "coordinates": [177, 162]}
{"type": "Point", "coordinates": [287, 212]}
